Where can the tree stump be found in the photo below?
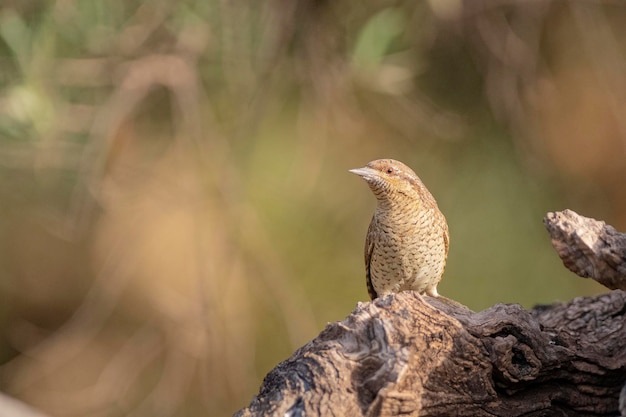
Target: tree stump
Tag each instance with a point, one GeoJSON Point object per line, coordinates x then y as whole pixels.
{"type": "Point", "coordinates": [407, 354]}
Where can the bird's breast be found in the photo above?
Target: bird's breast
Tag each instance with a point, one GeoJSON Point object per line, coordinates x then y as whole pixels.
{"type": "Point", "coordinates": [409, 242]}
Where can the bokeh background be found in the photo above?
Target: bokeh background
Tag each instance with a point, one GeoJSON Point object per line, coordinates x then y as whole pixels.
{"type": "Point", "coordinates": [176, 215]}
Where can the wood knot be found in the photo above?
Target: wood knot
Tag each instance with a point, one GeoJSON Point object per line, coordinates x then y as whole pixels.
{"type": "Point", "coordinates": [515, 342]}
{"type": "Point", "coordinates": [513, 360]}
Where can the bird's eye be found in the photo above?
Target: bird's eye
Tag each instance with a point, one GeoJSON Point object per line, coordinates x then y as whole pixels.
{"type": "Point", "coordinates": [389, 170]}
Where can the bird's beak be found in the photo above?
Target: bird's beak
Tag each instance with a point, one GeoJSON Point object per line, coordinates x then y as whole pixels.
{"type": "Point", "coordinates": [364, 172]}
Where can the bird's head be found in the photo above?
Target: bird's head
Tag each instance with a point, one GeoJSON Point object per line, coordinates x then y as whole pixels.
{"type": "Point", "coordinates": [392, 182]}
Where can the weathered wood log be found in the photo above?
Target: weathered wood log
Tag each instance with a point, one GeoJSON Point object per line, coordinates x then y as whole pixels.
{"type": "Point", "coordinates": [406, 354]}
{"type": "Point", "coordinates": [589, 248]}
{"type": "Point", "coordinates": [414, 355]}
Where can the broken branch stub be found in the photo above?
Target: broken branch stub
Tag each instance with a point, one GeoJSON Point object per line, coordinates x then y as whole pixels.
{"type": "Point", "coordinates": [589, 248]}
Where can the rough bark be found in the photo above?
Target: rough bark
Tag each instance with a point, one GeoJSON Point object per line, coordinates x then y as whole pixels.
{"type": "Point", "coordinates": [406, 354]}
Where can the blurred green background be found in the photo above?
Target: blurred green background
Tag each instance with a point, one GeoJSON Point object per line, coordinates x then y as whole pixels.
{"type": "Point", "coordinates": [177, 214]}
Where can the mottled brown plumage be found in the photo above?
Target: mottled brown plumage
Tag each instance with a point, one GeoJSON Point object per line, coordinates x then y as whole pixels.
{"type": "Point", "coordinates": [407, 240]}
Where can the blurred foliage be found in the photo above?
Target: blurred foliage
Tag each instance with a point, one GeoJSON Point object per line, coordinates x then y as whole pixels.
{"type": "Point", "coordinates": [177, 216]}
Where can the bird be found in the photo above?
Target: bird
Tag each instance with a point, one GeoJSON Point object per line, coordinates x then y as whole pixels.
{"type": "Point", "coordinates": [407, 240]}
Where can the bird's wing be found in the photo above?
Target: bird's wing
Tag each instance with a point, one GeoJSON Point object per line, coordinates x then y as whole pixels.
{"type": "Point", "coordinates": [446, 235]}
{"type": "Point", "coordinates": [369, 249]}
